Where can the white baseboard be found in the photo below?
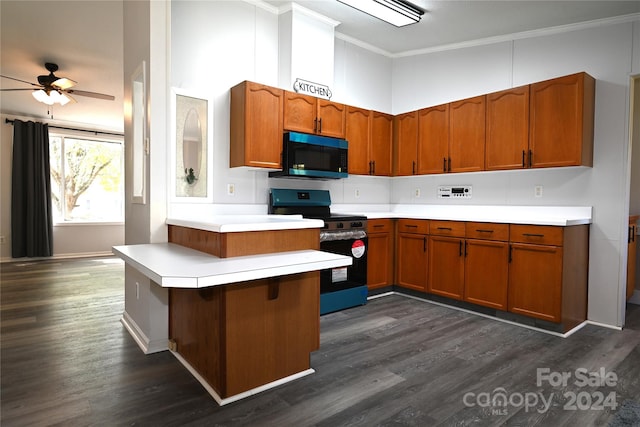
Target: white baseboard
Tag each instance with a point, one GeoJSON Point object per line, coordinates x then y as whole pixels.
{"type": "Point", "coordinates": [141, 338]}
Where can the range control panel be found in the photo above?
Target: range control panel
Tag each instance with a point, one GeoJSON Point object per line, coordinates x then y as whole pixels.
{"type": "Point", "coordinates": [454, 192]}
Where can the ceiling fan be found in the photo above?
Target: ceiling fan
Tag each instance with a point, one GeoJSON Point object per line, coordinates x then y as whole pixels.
{"type": "Point", "coordinates": [52, 89]}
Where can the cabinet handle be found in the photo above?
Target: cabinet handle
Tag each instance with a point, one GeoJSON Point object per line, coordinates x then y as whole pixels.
{"type": "Point", "coordinates": [532, 235]}
{"type": "Point", "coordinates": [315, 124]}
{"type": "Point", "coordinates": [411, 226]}
{"type": "Point", "coordinates": [483, 231]}
{"type": "Point", "coordinates": [632, 236]}
{"type": "Point", "coordinates": [320, 126]}
{"type": "Point", "coordinates": [449, 164]}
{"type": "Point", "coordinates": [413, 167]}
{"type": "Point", "coordinates": [444, 228]}
{"type": "Point", "coordinates": [523, 158]}
{"type": "Point", "coordinates": [378, 226]}
{"type": "Point", "coordinates": [530, 158]}
{"type": "Point", "coordinates": [373, 167]}
{"type": "Point", "coordinates": [444, 164]}
{"type": "Point", "coordinates": [460, 248]}
{"type": "Point", "coordinates": [424, 244]}
{"type": "Point", "coordinates": [510, 252]}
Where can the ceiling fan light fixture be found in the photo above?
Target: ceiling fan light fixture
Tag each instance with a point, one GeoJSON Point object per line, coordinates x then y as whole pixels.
{"type": "Point", "coordinates": [396, 12]}
{"type": "Point", "coordinates": [50, 98]}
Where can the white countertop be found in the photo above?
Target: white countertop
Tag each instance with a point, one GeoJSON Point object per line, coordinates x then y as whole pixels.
{"type": "Point", "coordinates": [175, 266]}
{"type": "Point", "coordinates": [240, 223]}
{"type": "Point", "coordinates": [536, 215]}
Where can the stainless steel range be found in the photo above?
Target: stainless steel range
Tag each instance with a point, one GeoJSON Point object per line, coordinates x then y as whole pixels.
{"type": "Point", "coordinates": [343, 234]}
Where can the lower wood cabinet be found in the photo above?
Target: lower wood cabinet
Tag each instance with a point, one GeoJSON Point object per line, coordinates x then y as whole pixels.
{"type": "Point", "coordinates": [548, 272]}
{"type": "Point", "coordinates": [446, 259]}
{"type": "Point", "coordinates": [412, 254]}
{"type": "Point", "coordinates": [380, 256]}
{"type": "Point", "coordinates": [631, 255]}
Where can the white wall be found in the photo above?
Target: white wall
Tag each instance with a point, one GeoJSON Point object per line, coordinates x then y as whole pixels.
{"type": "Point", "coordinates": [606, 53]}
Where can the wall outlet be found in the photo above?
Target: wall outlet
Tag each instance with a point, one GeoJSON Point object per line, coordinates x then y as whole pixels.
{"type": "Point", "coordinates": [416, 193]}
{"type": "Point", "coordinates": [231, 190]}
{"type": "Point", "coordinates": [2, 240]}
{"type": "Point", "coordinates": [537, 191]}
{"type": "Point", "coordinates": [357, 193]}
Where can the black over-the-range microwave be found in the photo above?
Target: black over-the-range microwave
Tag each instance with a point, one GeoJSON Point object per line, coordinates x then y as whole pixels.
{"type": "Point", "coordinates": [313, 156]}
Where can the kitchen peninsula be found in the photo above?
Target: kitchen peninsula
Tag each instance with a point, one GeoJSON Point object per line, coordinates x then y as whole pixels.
{"type": "Point", "coordinates": [243, 304]}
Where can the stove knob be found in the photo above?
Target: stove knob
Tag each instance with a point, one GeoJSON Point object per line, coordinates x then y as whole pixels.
{"type": "Point", "coordinates": [339, 225]}
{"type": "Point", "coordinates": [356, 224]}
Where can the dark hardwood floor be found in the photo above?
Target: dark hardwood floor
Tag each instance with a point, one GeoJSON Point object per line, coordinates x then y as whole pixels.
{"type": "Point", "coordinates": [67, 360]}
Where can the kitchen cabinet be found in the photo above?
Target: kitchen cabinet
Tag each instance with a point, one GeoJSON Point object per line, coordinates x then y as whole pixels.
{"type": "Point", "coordinates": [561, 121]}
{"type": "Point", "coordinates": [446, 258]}
{"type": "Point", "coordinates": [507, 132]}
{"type": "Point", "coordinates": [405, 143]}
{"type": "Point", "coordinates": [433, 140]}
{"type": "Point", "coordinates": [548, 269]}
{"type": "Point", "coordinates": [256, 126]}
{"type": "Point", "coordinates": [381, 250]}
{"type": "Point", "coordinates": [369, 134]}
{"type": "Point", "coordinates": [381, 145]}
{"type": "Point", "coordinates": [412, 254]}
{"type": "Point", "coordinates": [307, 114]}
{"type": "Point", "coordinates": [467, 134]}
{"type": "Point", "coordinates": [486, 268]}
{"type": "Point", "coordinates": [631, 255]}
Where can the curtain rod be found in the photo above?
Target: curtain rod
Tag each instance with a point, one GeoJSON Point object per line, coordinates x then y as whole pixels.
{"type": "Point", "coordinates": [74, 129]}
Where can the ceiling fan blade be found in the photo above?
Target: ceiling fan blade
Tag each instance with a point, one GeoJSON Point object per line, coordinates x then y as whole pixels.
{"type": "Point", "coordinates": [90, 94]}
{"type": "Point", "coordinates": [23, 81]}
{"type": "Point", "coordinates": [8, 90]}
{"type": "Point", "coordinates": [63, 83]}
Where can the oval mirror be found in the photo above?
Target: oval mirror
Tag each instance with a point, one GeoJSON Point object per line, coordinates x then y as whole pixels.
{"type": "Point", "coordinates": [192, 146]}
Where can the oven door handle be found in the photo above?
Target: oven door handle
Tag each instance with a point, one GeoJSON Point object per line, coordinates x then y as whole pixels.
{"type": "Point", "coordinates": [326, 236]}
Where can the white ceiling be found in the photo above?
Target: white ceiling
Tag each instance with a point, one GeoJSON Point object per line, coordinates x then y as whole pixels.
{"type": "Point", "coordinates": [85, 39]}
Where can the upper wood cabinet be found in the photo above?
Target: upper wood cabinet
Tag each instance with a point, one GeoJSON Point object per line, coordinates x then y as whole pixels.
{"type": "Point", "coordinates": [405, 143]}
{"type": "Point", "coordinates": [433, 140]}
{"type": "Point", "coordinates": [304, 113]}
{"type": "Point", "coordinates": [381, 143]}
{"type": "Point", "coordinates": [467, 134]}
{"type": "Point", "coordinates": [561, 121]}
{"type": "Point", "coordinates": [369, 134]}
{"type": "Point", "coordinates": [507, 132]}
{"type": "Point", "coordinates": [358, 135]}
{"type": "Point", "coordinates": [256, 126]}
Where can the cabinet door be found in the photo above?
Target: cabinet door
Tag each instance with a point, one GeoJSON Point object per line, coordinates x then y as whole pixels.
{"type": "Point", "coordinates": [467, 134]}
{"type": "Point", "coordinates": [446, 266]}
{"type": "Point", "coordinates": [412, 261]}
{"type": "Point", "coordinates": [486, 273]}
{"type": "Point", "coordinates": [405, 135]}
{"type": "Point", "coordinates": [256, 126]}
{"type": "Point", "coordinates": [381, 143]}
{"type": "Point", "coordinates": [507, 139]}
{"type": "Point", "coordinates": [433, 140]}
{"type": "Point", "coordinates": [631, 258]}
{"type": "Point", "coordinates": [380, 257]}
{"type": "Point", "coordinates": [331, 118]}
{"type": "Point", "coordinates": [358, 137]}
{"type": "Point", "coordinates": [561, 121]}
{"type": "Point", "coordinates": [300, 112]}
{"type": "Point", "coordinates": [535, 281]}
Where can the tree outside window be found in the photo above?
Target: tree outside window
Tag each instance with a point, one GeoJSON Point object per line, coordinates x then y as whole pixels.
{"type": "Point", "coordinates": [86, 179]}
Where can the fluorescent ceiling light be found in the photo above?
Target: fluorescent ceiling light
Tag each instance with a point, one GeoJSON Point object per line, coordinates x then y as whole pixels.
{"type": "Point", "coordinates": [395, 12]}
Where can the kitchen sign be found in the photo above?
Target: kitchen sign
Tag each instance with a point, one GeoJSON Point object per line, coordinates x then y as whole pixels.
{"type": "Point", "coordinates": [314, 89]}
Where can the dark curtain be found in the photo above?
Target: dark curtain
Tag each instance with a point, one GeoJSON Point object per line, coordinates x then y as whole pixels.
{"type": "Point", "coordinates": [31, 217]}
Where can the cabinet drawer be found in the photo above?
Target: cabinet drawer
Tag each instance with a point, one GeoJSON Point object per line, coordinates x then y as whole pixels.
{"type": "Point", "coordinates": [487, 231]}
{"type": "Point", "coordinates": [378, 226]}
{"type": "Point", "coordinates": [448, 228]}
{"type": "Point", "coordinates": [418, 226]}
{"type": "Point", "coordinates": [538, 234]}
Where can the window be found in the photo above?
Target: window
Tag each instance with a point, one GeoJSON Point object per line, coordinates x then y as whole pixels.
{"type": "Point", "coordinates": [86, 179]}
